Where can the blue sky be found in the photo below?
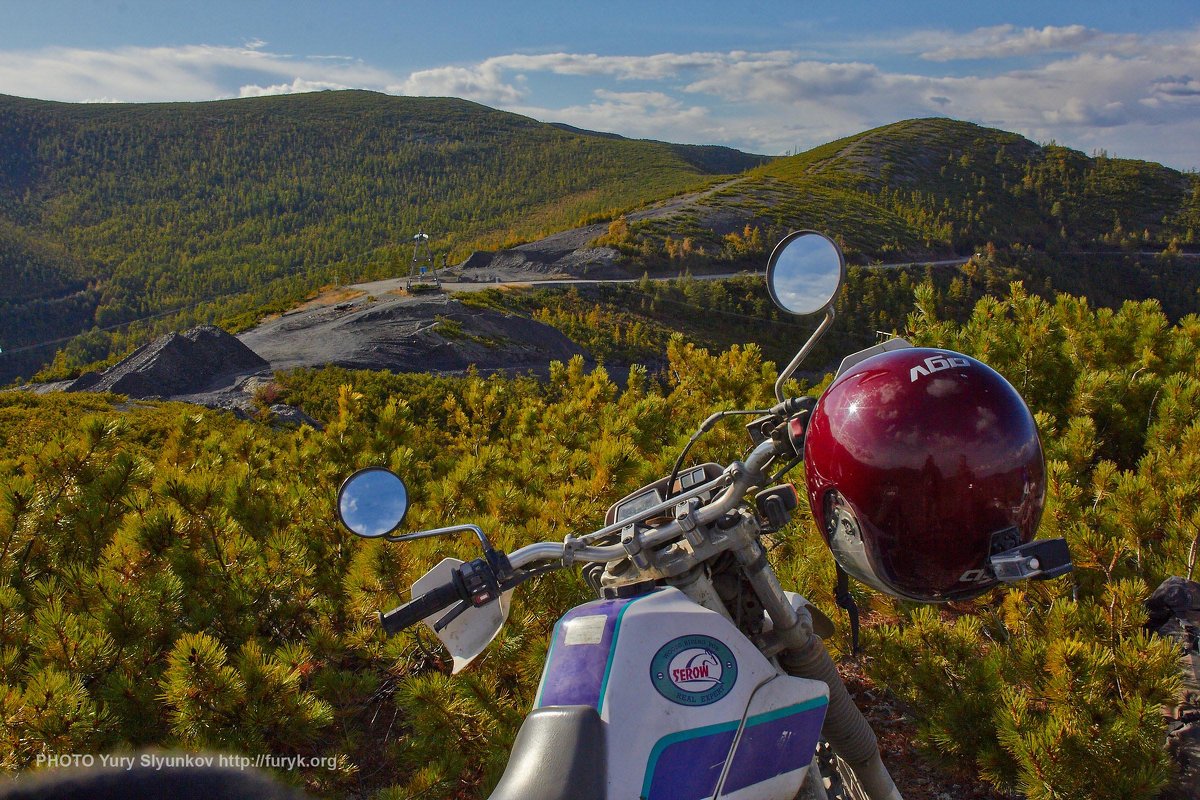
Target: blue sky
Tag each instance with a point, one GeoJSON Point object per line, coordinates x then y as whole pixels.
{"type": "Point", "coordinates": [766, 77]}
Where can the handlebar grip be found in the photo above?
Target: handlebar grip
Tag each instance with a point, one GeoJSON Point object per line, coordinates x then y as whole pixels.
{"type": "Point", "coordinates": [419, 608]}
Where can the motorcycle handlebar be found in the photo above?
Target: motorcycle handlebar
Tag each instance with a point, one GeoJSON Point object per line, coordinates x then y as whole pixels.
{"type": "Point", "coordinates": [741, 476]}
{"type": "Point", "coordinates": [421, 607]}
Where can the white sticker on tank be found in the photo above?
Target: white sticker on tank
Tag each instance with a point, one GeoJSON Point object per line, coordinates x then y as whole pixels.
{"type": "Point", "coordinates": [585, 630]}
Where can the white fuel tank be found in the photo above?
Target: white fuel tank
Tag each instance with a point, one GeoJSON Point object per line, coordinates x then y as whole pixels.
{"type": "Point", "coordinates": [691, 708]}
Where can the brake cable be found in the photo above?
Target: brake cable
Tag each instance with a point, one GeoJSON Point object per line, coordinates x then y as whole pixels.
{"type": "Point", "coordinates": [704, 428]}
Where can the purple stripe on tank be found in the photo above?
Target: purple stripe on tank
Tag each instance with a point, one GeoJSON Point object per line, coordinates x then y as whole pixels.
{"type": "Point", "coordinates": [687, 765]}
{"type": "Point", "coordinates": [575, 673]}
{"type": "Point", "coordinates": [690, 768]}
{"type": "Point", "coordinates": [774, 747]}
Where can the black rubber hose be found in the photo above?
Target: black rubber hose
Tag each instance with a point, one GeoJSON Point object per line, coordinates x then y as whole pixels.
{"type": "Point", "coordinates": [421, 607]}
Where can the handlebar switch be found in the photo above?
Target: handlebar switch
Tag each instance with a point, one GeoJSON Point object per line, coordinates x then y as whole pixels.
{"type": "Point", "coordinates": [776, 505]}
{"type": "Point", "coordinates": [797, 426]}
{"type": "Point", "coordinates": [760, 429]}
{"type": "Point", "coordinates": [479, 581]}
{"type": "Point", "coordinates": [498, 561]}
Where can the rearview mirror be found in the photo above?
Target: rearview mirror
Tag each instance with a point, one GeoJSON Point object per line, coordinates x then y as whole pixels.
{"type": "Point", "coordinates": [372, 502]}
{"type": "Point", "coordinates": [805, 272]}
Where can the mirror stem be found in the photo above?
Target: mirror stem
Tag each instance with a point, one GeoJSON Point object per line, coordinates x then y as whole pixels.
{"type": "Point", "coordinates": [442, 532]}
{"type": "Point", "coordinates": [812, 340]}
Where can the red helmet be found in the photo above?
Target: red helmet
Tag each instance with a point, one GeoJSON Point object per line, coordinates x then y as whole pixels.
{"type": "Point", "coordinates": [921, 466]}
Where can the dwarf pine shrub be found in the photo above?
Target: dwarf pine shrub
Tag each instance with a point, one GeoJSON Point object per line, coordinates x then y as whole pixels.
{"type": "Point", "coordinates": [174, 577]}
{"type": "Point", "coordinates": [1054, 689]}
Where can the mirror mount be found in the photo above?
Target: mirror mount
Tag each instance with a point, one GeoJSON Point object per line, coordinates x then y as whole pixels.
{"type": "Point", "coordinates": [475, 529]}
{"type": "Point", "coordinates": [805, 273]}
{"type": "Point", "coordinates": [804, 351]}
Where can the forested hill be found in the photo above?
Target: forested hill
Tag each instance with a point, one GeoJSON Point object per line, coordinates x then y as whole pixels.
{"type": "Point", "coordinates": [939, 187]}
{"type": "Point", "coordinates": [961, 184]}
{"type": "Point", "coordinates": [111, 212]}
{"type": "Point", "coordinates": [182, 213]}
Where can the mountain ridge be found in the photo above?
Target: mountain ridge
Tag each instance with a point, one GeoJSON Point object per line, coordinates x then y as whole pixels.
{"type": "Point", "coordinates": [217, 212]}
{"type": "Point", "coordinates": [243, 204]}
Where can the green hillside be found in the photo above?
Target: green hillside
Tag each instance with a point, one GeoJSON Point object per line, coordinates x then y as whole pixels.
{"type": "Point", "coordinates": [170, 215]}
{"type": "Point", "coordinates": [958, 184]}
{"type": "Point", "coordinates": [257, 201]}
{"type": "Point", "coordinates": [939, 187]}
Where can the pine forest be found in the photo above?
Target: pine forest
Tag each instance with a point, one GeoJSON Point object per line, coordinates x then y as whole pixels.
{"type": "Point", "coordinates": [174, 578]}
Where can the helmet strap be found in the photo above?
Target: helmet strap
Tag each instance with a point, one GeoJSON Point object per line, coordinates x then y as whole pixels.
{"type": "Point", "coordinates": [845, 601]}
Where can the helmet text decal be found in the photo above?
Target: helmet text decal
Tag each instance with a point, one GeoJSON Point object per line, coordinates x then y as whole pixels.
{"type": "Point", "coordinates": [936, 364]}
{"type": "Point", "coordinates": [693, 670]}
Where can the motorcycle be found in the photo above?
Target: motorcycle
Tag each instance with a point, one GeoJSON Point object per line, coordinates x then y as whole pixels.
{"type": "Point", "coordinates": [695, 674]}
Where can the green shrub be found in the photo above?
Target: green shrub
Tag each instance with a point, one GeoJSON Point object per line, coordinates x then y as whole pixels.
{"type": "Point", "coordinates": [174, 577]}
{"type": "Point", "coordinates": [1055, 690]}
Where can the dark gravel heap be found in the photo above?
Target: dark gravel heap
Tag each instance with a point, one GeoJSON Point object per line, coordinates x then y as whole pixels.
{"type": "Point", "coordinates": [174, 364]}
{"type": "Point", "coordinates": [546, 258]}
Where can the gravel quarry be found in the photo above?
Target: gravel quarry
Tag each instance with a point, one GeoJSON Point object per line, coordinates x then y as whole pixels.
{"type": "Point", "coordinates": [351, 328]}
{"type": "Point", "coordinates": [378, 326]}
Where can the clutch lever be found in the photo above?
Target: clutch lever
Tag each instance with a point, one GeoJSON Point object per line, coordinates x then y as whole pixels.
{"type": "Point", "coordinates": [505, 585]}
{"type": "Point", "coordinates": [451, 615]}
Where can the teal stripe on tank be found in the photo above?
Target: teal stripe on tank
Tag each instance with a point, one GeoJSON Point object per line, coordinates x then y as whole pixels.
{"type": "Point", "coordinates": [612, 651]}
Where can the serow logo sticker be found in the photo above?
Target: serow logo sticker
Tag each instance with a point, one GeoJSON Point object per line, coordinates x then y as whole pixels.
{"type": "Point", "coordinates": [693, 670]}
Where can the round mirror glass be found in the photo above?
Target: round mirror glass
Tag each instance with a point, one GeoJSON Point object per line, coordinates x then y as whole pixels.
{"type": "Point", "coordinates": [805, 272]}
{"type": "Point", "coordinates": [372, 502]}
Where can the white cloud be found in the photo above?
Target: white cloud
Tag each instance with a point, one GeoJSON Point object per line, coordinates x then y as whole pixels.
{"type": "Point", "coordinates": [773, 79]}
{"type": "Point", "coordinates": [639, 115]}
{"type": "Point", "coordinates": [653, 67]}
{"type": "Point", "coordinates": [1173, 89]}
{"type": "Point", "coordinates": [487, 81]}
{"type": "Point", "coordinates": [192, 72]}
{"type": "Point", "coordinates": [297, 86]}
{"type": "Point", "coordinates": [483, 83]}
{"type": "Point", "coordinates": [643, 100]}
{"type": "Point", "coordinates": [1003, 41]}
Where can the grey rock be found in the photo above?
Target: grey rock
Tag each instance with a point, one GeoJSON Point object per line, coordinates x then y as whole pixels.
{"type": "Point", "coordinates": [421, 334]}
{"type": "Point", "coordinates": [291, 416]}
{"type": "Point", "coordinates": [175, 364]}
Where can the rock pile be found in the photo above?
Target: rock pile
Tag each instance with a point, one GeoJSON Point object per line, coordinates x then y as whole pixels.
{"type": "Point", "coordinates": [174, 364]}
